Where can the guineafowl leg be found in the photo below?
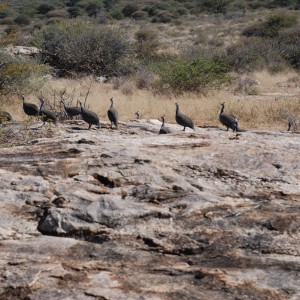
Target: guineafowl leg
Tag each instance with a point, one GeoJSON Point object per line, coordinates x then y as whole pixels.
{"type": "Point", "coordinates": [90, 125]}
{"type": "Point", "coordinates": [183, 128]}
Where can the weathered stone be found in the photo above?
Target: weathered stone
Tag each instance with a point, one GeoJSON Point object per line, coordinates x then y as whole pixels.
{"type": "Point", "coordinates": [131, 214]}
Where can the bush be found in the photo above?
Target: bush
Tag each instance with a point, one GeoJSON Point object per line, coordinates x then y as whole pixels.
{"type": "Point", "coordinates": [163, 16]}
{"type": "Point", "coordinates": [139, 15]}
{"type": "Point", "coordinates": [129, 9]}
{"type": "Point", "coordinates": [93, 8]}
{"type": "Point", "coordinates": [282, 3]}
{"type": "Point", "coordinates": [178, 75]}
{"type": "Point", "coordinates": [20, 75]}
{"type": "Point", "coordinates": [7, 21]}
{"type": "Point", "coordinates": [108, 4]}
{"type": "Point", "coordinates": [45, 8]}
{"type": "Point", "coordinates": [80, 47]}
{"type": "Point", "coordinates": [22, 20]}
{"type": "Point", "coordinates": [75, 11]}
{"type": "Point", "coordinates": [146, 44]}
{"type": "Point", "coordinates": [117, 14]}
{"type": "Point", "coordinates": [58, 13]}
{"type": "Point", "coordinates": [214, 6]}
{"type": "Point", "coordinates": [289, 42]}
{"type": "Point", "coordinates": [12, 30]}
{"type": "Point", "coordinates": [272, 26]}
{"type": "Point", "coordinates": [256, 53]}
{"type": "Point", "coordinates": [6, 11]}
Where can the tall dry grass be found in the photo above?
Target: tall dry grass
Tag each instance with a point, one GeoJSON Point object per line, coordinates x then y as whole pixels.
{"type": "Point", "coordinates": [275, 94]}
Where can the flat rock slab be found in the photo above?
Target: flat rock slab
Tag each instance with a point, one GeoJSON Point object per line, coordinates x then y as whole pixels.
{"type": "Point", "coordinates": [131, 214]}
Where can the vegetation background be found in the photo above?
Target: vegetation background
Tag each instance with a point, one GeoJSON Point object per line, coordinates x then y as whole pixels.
{"type": "Point", "coordinates": [149, 54]}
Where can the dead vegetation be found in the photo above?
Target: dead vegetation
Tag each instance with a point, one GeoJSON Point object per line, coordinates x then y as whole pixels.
{"type": "Point", "coordinates": [275, 102]}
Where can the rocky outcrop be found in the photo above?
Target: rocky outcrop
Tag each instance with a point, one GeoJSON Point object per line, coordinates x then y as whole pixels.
{"type": "Point", "coordinates": [21, 50]}
{"type": "Point", "coordinates": [131, 214]}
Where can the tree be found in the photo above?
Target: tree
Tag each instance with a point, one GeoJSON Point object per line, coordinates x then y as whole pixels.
{"type": "Point", "coordinates": [79, 47]}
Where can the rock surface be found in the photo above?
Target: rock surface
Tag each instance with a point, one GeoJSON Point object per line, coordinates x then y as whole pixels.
{"type": "Point", "coordinates": [130, 214]}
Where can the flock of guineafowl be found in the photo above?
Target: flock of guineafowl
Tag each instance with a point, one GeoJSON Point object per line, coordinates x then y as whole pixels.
{"type": "Point", "coordinates": [91, 118]}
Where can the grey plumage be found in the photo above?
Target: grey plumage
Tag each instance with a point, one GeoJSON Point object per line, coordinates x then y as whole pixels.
{"type": "Point", "coordinates": [163, 128]}
{"type": "Point", "coordinates": [5, 117]}
{"type": "Point", "coordinates": [183, 120]}
{"type": "Point", "coordinates": [71, 111]}
{"type": "Point", "coordinates": [228, 120]}
{"type": "Point", "coordinates": [30, 109]}
{"type": "Point", "coordinates": [89, 117]}
{"type": "Point", "coordinates": [46, 115]}
{"type": "Point", "coordinates": [112, 114]}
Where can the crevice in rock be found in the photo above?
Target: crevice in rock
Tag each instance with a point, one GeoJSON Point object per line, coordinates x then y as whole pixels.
{"type": "Point", "coordinates": [106, 181]}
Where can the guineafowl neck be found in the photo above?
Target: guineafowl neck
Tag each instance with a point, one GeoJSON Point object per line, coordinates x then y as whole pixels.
{"type": "Point", "coordinates": [42, 104]}
{"type": "Point", "coordinates": [222, 109]}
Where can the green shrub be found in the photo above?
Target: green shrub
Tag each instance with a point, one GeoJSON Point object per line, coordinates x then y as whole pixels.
{"type": "Point", "coordinates": [178, 75]}
{"type": "Point", "coordinates": [214, 6]}
{"type": "Point", "coordinates": [163, 16]}
{"type": "Point", "coordinates": [93, 8]}
{"type": "Point", "coordinates": [108, 4]}
{"type": "Point", "coordinates": [75, 46]}
{"type": "Point", "coordinates": [139, 15]}
{"type": "Point", "coordinates": [182, 11]}
{"type": "Point", "coordinates": [129, 9]}
{"type": "Point", "coordinates": [272, 26]}
{"type": "Point", "coordinates": [45, 8]}
{"type": "Point", "coordinates": [75, 11]}
{"type": "Point", "coordinates": [117, 14]}
{"type": "Point", "coordinates": [22, 20]}
{"type": "Point", "coordinates": [72, 2]}
{"type": "Point", "coordinates": [282, 3]}
{"type": "Point", "coordinates": [20, 75]}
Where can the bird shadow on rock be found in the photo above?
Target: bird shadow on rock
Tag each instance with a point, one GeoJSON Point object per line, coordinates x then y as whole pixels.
{"type": "Point", "coordinates": [83, 128]}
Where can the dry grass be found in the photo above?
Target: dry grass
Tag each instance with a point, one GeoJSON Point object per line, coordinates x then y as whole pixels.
{"type": "Point", "coordinates": [226, 28]}
{"type": "Point", "coordinates": [261, 111]}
